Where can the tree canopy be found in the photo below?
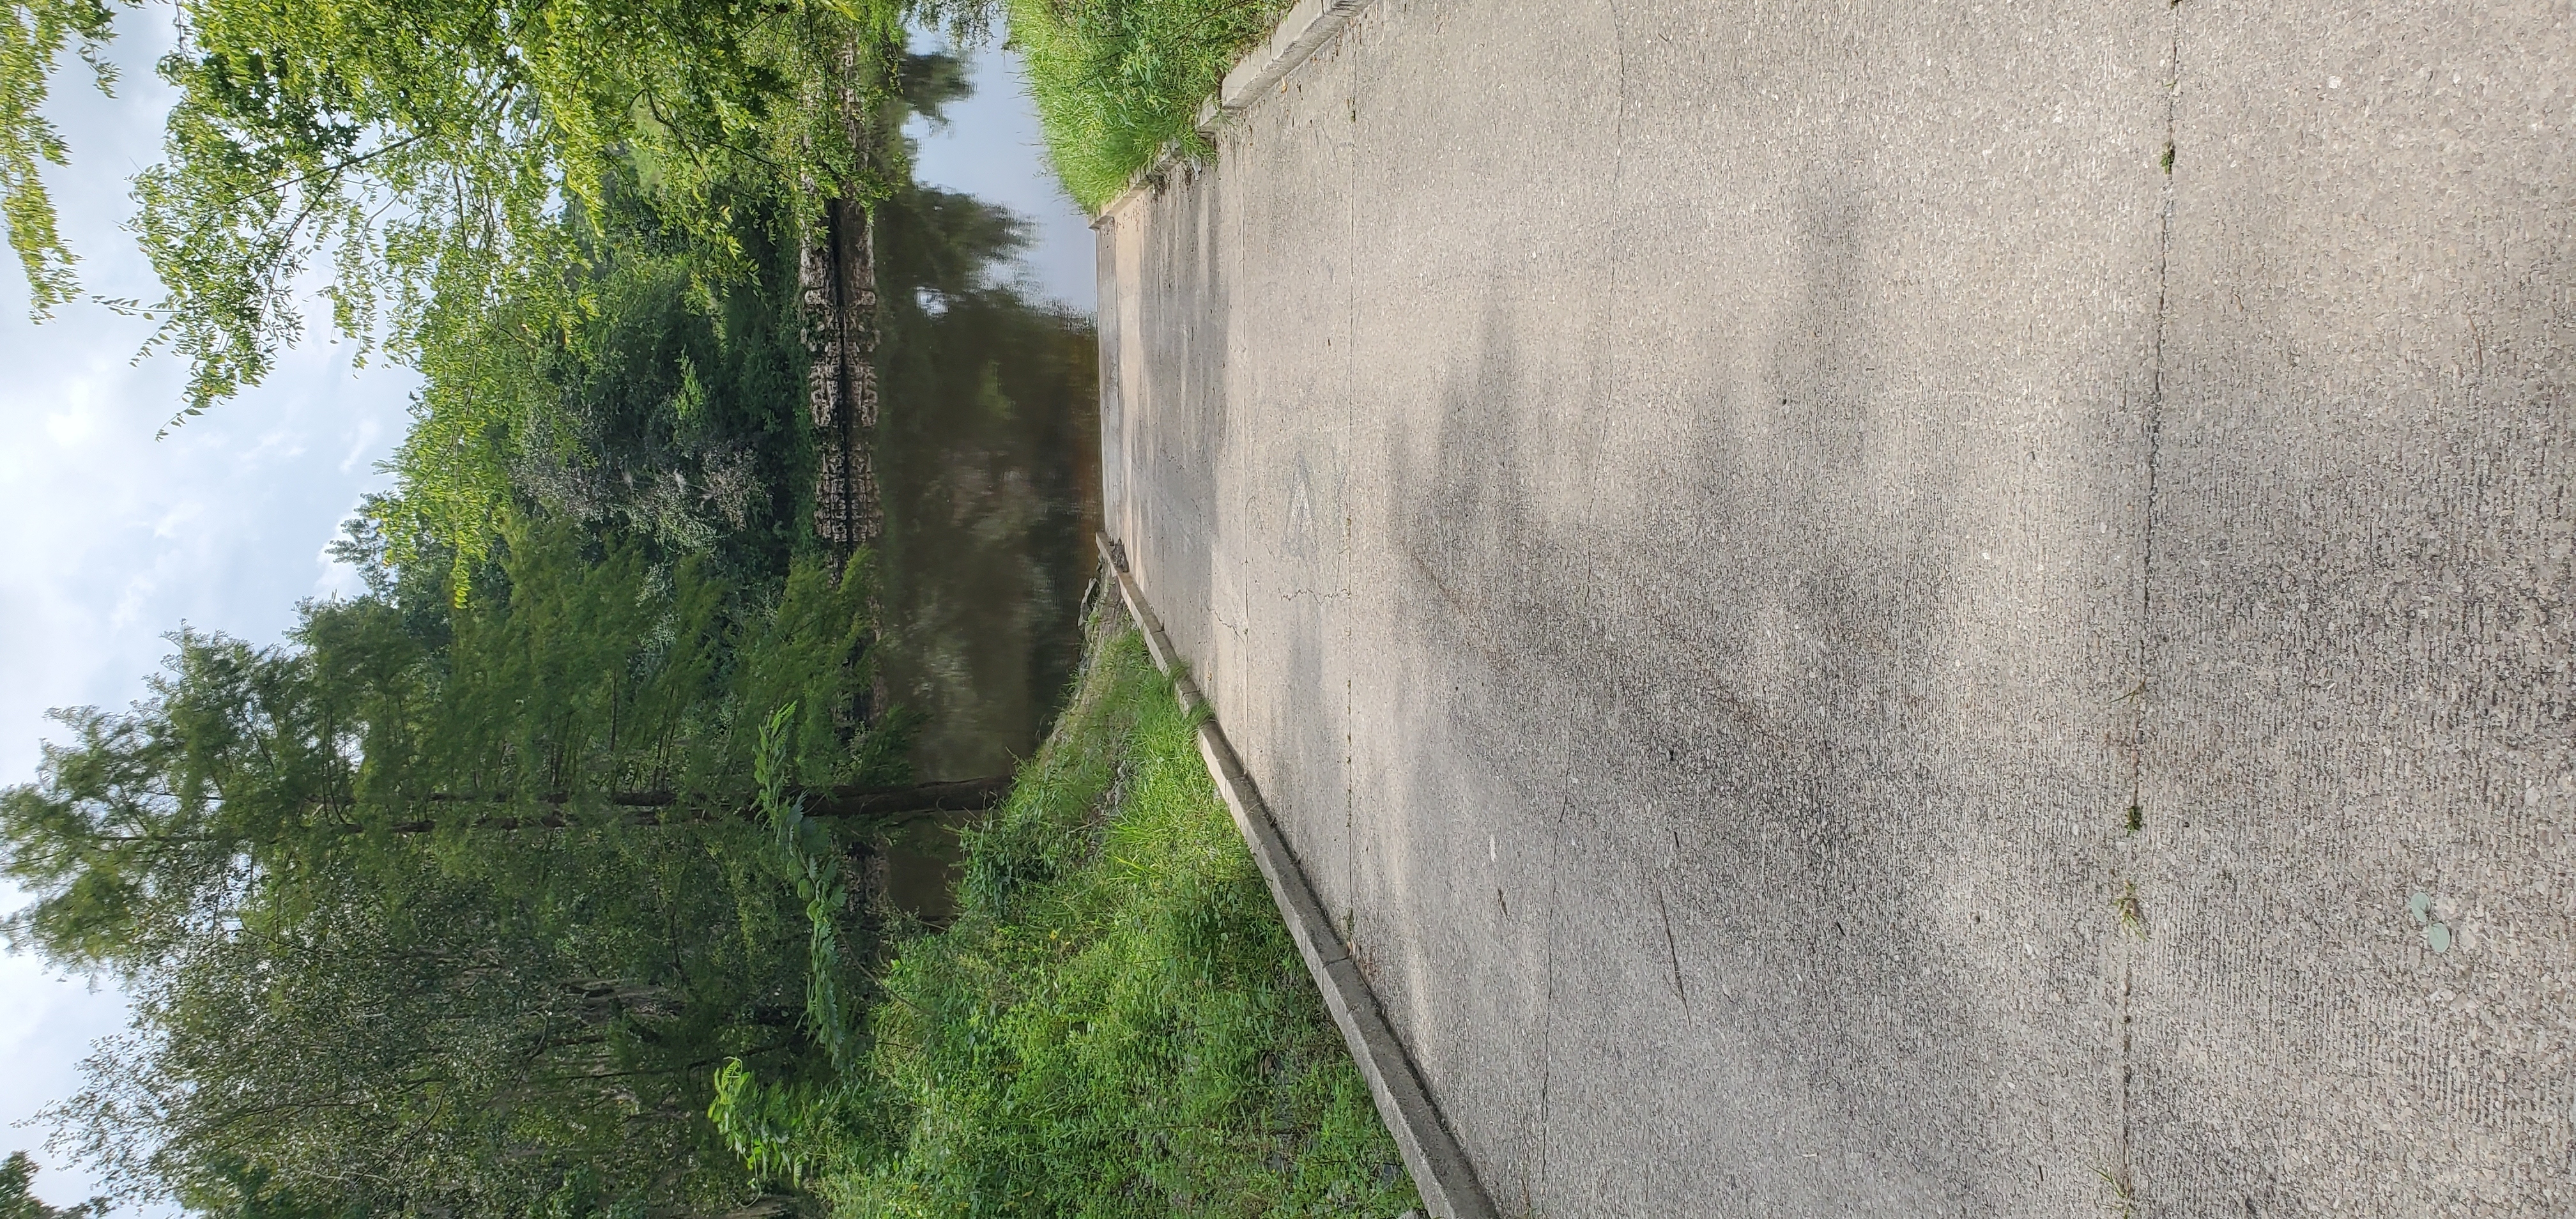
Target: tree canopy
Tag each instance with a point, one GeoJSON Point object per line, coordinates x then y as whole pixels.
{"type": "Point", "coordinates": [420, 153]}
{"type": "Point", "coordinates": [397, 942]}
{"type": "Point", "coordinates": [423, 148]}
{"type": "Point", "coordinates": [470, 895]}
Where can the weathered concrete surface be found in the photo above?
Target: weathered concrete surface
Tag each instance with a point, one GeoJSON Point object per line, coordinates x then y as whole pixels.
{"type": "Point", "coordinates": [1704, 519]}
{"type": "Point", "coordinates": [2358, 633]}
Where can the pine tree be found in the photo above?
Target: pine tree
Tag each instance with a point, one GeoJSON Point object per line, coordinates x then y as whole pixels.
{"type": "Point", "coordinates": [396, 941]}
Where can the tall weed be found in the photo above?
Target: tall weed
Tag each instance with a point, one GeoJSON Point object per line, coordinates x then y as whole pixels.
{"type": "Point", "coordinates": [1117, 1024]}
{"type": "Point", "coordinates": [1117, 80]}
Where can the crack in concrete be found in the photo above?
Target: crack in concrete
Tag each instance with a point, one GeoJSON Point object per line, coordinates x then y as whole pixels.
{"type": "Point", "coordinates": [2124, 1179]}
{"type": "Point", "coordinates": [1350, 419]}
{"type": "Point", "coordinates": [1672, 951]}
{"type": "Point", "coordinates": [1547, 1011]}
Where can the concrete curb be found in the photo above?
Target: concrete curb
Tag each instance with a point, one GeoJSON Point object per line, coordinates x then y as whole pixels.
{"type": "Point", "coordinates": [1303, 31]}
{"type": "Point", "coordinates": [1144, 182]}
{"type": "Point", "coordinates": [1440, 1171]}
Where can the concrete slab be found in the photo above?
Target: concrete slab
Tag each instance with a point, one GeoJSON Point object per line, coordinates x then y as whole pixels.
{"type": "Point", "coordinates": [1287, 485]}
{"type": "Point", "coordinates": [2360, 676]}
{"type": "Point", "coordinates": [1863, 533]}
{"type": "Point", "coordinates": [1461, 726]}
{"type": "Point", "coordinates": [1703, 520]}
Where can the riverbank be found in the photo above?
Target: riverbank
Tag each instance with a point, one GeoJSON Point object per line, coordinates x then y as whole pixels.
{"type": "Point", "coordinates": [1117, 1022]}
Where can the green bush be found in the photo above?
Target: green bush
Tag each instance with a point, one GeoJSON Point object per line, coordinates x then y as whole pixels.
{"type": "Point", "coordinates": [1117, 1024]}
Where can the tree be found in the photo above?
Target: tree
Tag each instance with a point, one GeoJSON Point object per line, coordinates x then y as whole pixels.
{"type": "Point", "coordinates": [32, 39]}
{"type": "Point", "coordinates": [427, 1041]}
{"type": "Point", "coordinates": [18, 1195]}
{"type": "Point", "coordinates": [669, 411]}
{"type": "Point", "coordinates": [423, 149]}
{"type": "Point", "coordinates": [669, 405]}
{"type": "Point", "coordinates": [395, 942]}
{"type": "Point", "coordinates": [420, 148]}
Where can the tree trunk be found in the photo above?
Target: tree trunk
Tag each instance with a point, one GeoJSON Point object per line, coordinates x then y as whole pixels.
{"type": "Point", "coordinates": [648, 807]}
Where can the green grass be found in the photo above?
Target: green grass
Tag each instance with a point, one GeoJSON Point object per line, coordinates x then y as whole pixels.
{"type": "Point", "coordinates": [1117, 1024]}
{"type": "Point", "coordinates": [1116, 80]}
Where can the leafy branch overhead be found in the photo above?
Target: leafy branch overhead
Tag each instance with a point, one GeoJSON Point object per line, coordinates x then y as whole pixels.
{"type": "Point", "coordinates": [32, 38]}
{"type": "Point", "coordinates": [416, 153]}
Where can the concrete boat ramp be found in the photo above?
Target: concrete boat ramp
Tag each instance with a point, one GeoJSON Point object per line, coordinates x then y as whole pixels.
{"type": "Point", "coordinates": [1901, 607]}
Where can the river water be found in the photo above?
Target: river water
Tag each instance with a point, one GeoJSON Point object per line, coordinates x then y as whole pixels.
{"type": "Point", "coordinates": [988, 463]}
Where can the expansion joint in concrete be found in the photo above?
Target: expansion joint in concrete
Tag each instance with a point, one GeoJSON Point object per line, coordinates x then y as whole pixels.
{"type": "Point", "coordinates": [2130, 914]}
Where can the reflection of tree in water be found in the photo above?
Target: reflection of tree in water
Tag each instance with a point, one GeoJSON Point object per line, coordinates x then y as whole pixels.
{"type": "Point", "coordinates": [988, 467]}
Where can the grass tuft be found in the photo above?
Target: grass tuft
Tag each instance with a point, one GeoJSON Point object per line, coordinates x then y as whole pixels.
{"type": "Point", "coordinates": [1117, 80]}
{"type": "Point", "coordinates": [2133, 916]}
{"type": "Point", "coordinates": [1117, 1024]}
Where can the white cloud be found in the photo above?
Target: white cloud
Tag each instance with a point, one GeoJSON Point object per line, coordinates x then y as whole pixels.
{"type": "Point", "coordinates": [109, 538]}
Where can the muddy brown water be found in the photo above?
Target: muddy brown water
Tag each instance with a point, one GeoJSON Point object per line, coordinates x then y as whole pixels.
{"type": "Point", "coordinates": [988, 460]}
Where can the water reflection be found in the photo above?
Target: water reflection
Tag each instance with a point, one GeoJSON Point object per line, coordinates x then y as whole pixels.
{"type": "Point", "coordinates": [988, 464]}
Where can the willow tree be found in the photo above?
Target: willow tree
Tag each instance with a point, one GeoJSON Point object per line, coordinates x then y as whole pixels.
{"type": "Point", "coordinates": [33, 36]}
{"type": "Point", "coordinates": [421, 148]}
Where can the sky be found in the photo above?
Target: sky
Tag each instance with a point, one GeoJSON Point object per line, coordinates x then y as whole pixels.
{"type": "Point", "coordinates": [109, 538]}
{"type": "Point", "coordinates": [989, 148]}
